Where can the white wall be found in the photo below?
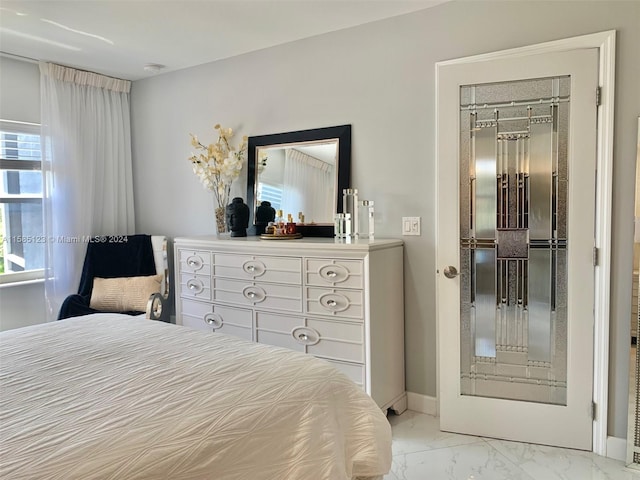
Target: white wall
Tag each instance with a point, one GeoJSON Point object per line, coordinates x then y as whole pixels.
{"type": "Point", "coordinates": [380, 78]}
{"type": "Point", "coordinates": [20, 304]}
{"type": "Point", "coordinates": [19, 90]}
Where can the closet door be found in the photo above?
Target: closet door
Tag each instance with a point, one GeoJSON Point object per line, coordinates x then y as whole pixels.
{"type": "Point", "coordinates": [516, 167]}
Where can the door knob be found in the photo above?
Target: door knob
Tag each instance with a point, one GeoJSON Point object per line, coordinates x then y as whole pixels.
{"type": "Point", "coordinates": [451, 272]}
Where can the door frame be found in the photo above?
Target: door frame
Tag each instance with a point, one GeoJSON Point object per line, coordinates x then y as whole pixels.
{"type": "Point", "coordinates": [605, 43]}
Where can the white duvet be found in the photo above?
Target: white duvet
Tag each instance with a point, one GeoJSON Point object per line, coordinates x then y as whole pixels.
{"type": "Point", "coordinates": [115, 397]}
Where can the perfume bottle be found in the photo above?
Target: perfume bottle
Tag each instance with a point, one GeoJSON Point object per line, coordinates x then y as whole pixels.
{"type": "Point", "coordinates": [270, 229]}
{"type": "Point", "coordinates": [279, 223]}
{"type": "Point", "coordinates": [290, 227]}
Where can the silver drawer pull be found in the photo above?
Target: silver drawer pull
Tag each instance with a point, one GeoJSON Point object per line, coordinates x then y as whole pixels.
{"type": "Point", "coordinates": [306, 335]}
{"type": "Point", "coordinates": [333, 273]}
{"type": "Point", "coordinates": [195, 285]}
{"type": "Point", "coordinates": [194, 262]}
{"type": "Point", "coordinates": [255, 268]}
{"type": "Point", "coordinates": [214, 320]}
{"type": "Point", "coordinates": [254, 293]}
{"type": "Point", "coordinates": [334, 302]}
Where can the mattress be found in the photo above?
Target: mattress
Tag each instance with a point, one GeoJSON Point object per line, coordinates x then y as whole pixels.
{"type": "Point", "coordinates": [114, 397]}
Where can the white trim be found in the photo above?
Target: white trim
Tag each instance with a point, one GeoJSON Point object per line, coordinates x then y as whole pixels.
{"type": "Point", "coordinates": [422, 403]}
{"type": "Point", "coordinates": [617, 448]}
{"type": "Point", "coordinates": [15, 278]}
{"type": "Point", "coordinates": [15, 126]}
{"type": "Point", "coordinates": [21, 58]}
{"type": "Point", "coordinates": [21, 283]}
{"type": "Point", "coordinates": [605, 43]}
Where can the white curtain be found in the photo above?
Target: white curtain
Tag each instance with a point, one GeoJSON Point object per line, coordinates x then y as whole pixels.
{"type": "Point", "coordinates": [306, 183]}
{"type": "Point", "coordinates": [88, 190]}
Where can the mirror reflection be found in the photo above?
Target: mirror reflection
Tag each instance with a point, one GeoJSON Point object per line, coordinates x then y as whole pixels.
{"type": "Point", "coordinates": [299, 179]}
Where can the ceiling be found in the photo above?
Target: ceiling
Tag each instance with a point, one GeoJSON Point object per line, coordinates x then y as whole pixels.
{"type": "Point", "coordinates": [119, 37]}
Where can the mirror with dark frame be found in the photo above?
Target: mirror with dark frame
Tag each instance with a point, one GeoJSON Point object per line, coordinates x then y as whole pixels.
{"type": "Point", "coordinates": [301, 173]}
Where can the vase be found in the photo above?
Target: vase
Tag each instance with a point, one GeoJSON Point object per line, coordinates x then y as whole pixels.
{"type": "Point", "coordinates": [350, 206]}
{"type": "Point", "coordinates": [221, 222]}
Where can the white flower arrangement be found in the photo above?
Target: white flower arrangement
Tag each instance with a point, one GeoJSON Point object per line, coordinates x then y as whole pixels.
{"type": "Point", "coordinates": [218, 164]}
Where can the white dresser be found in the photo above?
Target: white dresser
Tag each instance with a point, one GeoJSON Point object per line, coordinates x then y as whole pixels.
{"type": "Point", "coordinates": [342, 302]}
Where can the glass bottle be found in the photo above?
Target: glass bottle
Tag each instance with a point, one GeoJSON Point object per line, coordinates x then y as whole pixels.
{"type": "Point", "coordinates": [342, 226]}
{"type": "Point", "coordinates": [365, 219]}
{"type": "Point", "coordinates": [279, 223]}
{"type": "Point", "coordinates": [350, 206]}
{"type": "Point", "coordinates": [290, 227]}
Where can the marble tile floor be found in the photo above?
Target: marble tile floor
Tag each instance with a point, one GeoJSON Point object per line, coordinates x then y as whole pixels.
{"type": "Point", "coordinates": [422, 452]}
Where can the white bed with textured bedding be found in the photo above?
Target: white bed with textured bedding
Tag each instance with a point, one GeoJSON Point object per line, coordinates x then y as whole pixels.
{"type": "Point", "coordinates": [114, 397]}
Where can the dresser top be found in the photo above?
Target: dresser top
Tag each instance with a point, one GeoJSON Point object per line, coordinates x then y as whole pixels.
{"type": "Point", "coordinates": [306, 243]}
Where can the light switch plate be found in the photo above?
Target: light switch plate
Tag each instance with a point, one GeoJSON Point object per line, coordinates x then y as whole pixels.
{"type": "Point", "coordinates": [410, 225]}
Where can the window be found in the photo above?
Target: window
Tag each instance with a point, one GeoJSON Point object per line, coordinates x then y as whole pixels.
{"type": "Point", "coordinates": [21, 226]}
{"type": "Point", "coordinates": [270, 193]}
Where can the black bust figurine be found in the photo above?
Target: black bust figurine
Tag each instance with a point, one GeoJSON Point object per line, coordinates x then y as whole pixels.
{"type": "Point", "coordinates": [265, 213]}
{"type": "Point", "coordinates": [237, 216]}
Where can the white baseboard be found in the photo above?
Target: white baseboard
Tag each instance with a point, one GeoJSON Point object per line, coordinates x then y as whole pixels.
{"type": "Point", "coordinates": [422, 403]}
{"type": "Point", "coordinates": [617, 448]}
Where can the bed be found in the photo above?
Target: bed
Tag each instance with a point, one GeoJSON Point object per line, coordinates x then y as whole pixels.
{"type": "Point", "coordinates": [109, 396]}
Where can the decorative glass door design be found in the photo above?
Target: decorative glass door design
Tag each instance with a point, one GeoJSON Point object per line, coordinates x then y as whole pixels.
{"type": "Point", "coordinates": [513, 239]}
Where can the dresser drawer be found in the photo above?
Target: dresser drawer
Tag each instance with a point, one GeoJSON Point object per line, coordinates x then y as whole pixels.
{"type": "Point", "coordinates": [195, 261]}
{"type": "Point", "coordinates": [263, 268]}
{"type": "Point", "coordinates": [192, 315]}
{"type": "Point", "coordinates": [217, 318]}
{"type": "Point", "coordinates": [195, 286]}
{"type": "Point", "coordinates": [354, 372]}
{"type": "Point", "coordinates": [322, 338]}
{"type": "Point", "coordinates": [276, 330]}
{"type": "Point", "coordinates": [328, 272]}
{"type": "Point", "coordinates": [263, 295]}
{"type": "Point", "coordinates": [335, 302]}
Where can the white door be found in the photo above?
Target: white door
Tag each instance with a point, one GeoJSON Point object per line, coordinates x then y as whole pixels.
{"type": "Point", "coordinates": [516, 160]}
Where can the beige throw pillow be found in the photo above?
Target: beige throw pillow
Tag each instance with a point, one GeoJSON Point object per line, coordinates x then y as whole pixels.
{"type": "Point", "coordinates": [123, 294]}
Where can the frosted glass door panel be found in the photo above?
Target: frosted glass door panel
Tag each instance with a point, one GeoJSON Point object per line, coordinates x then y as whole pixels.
{"type": "Point", "coordinates": [485, 303]}
{"type": "Point", "coordinates": [513, 239]}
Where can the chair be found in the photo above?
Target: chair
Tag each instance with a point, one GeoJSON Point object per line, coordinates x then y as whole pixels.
{"type": "Point", "coordinates": [125, 274]}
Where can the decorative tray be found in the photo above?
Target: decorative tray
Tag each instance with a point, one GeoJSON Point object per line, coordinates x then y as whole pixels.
{"type": "Point", "coordinates": [270, 236]}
